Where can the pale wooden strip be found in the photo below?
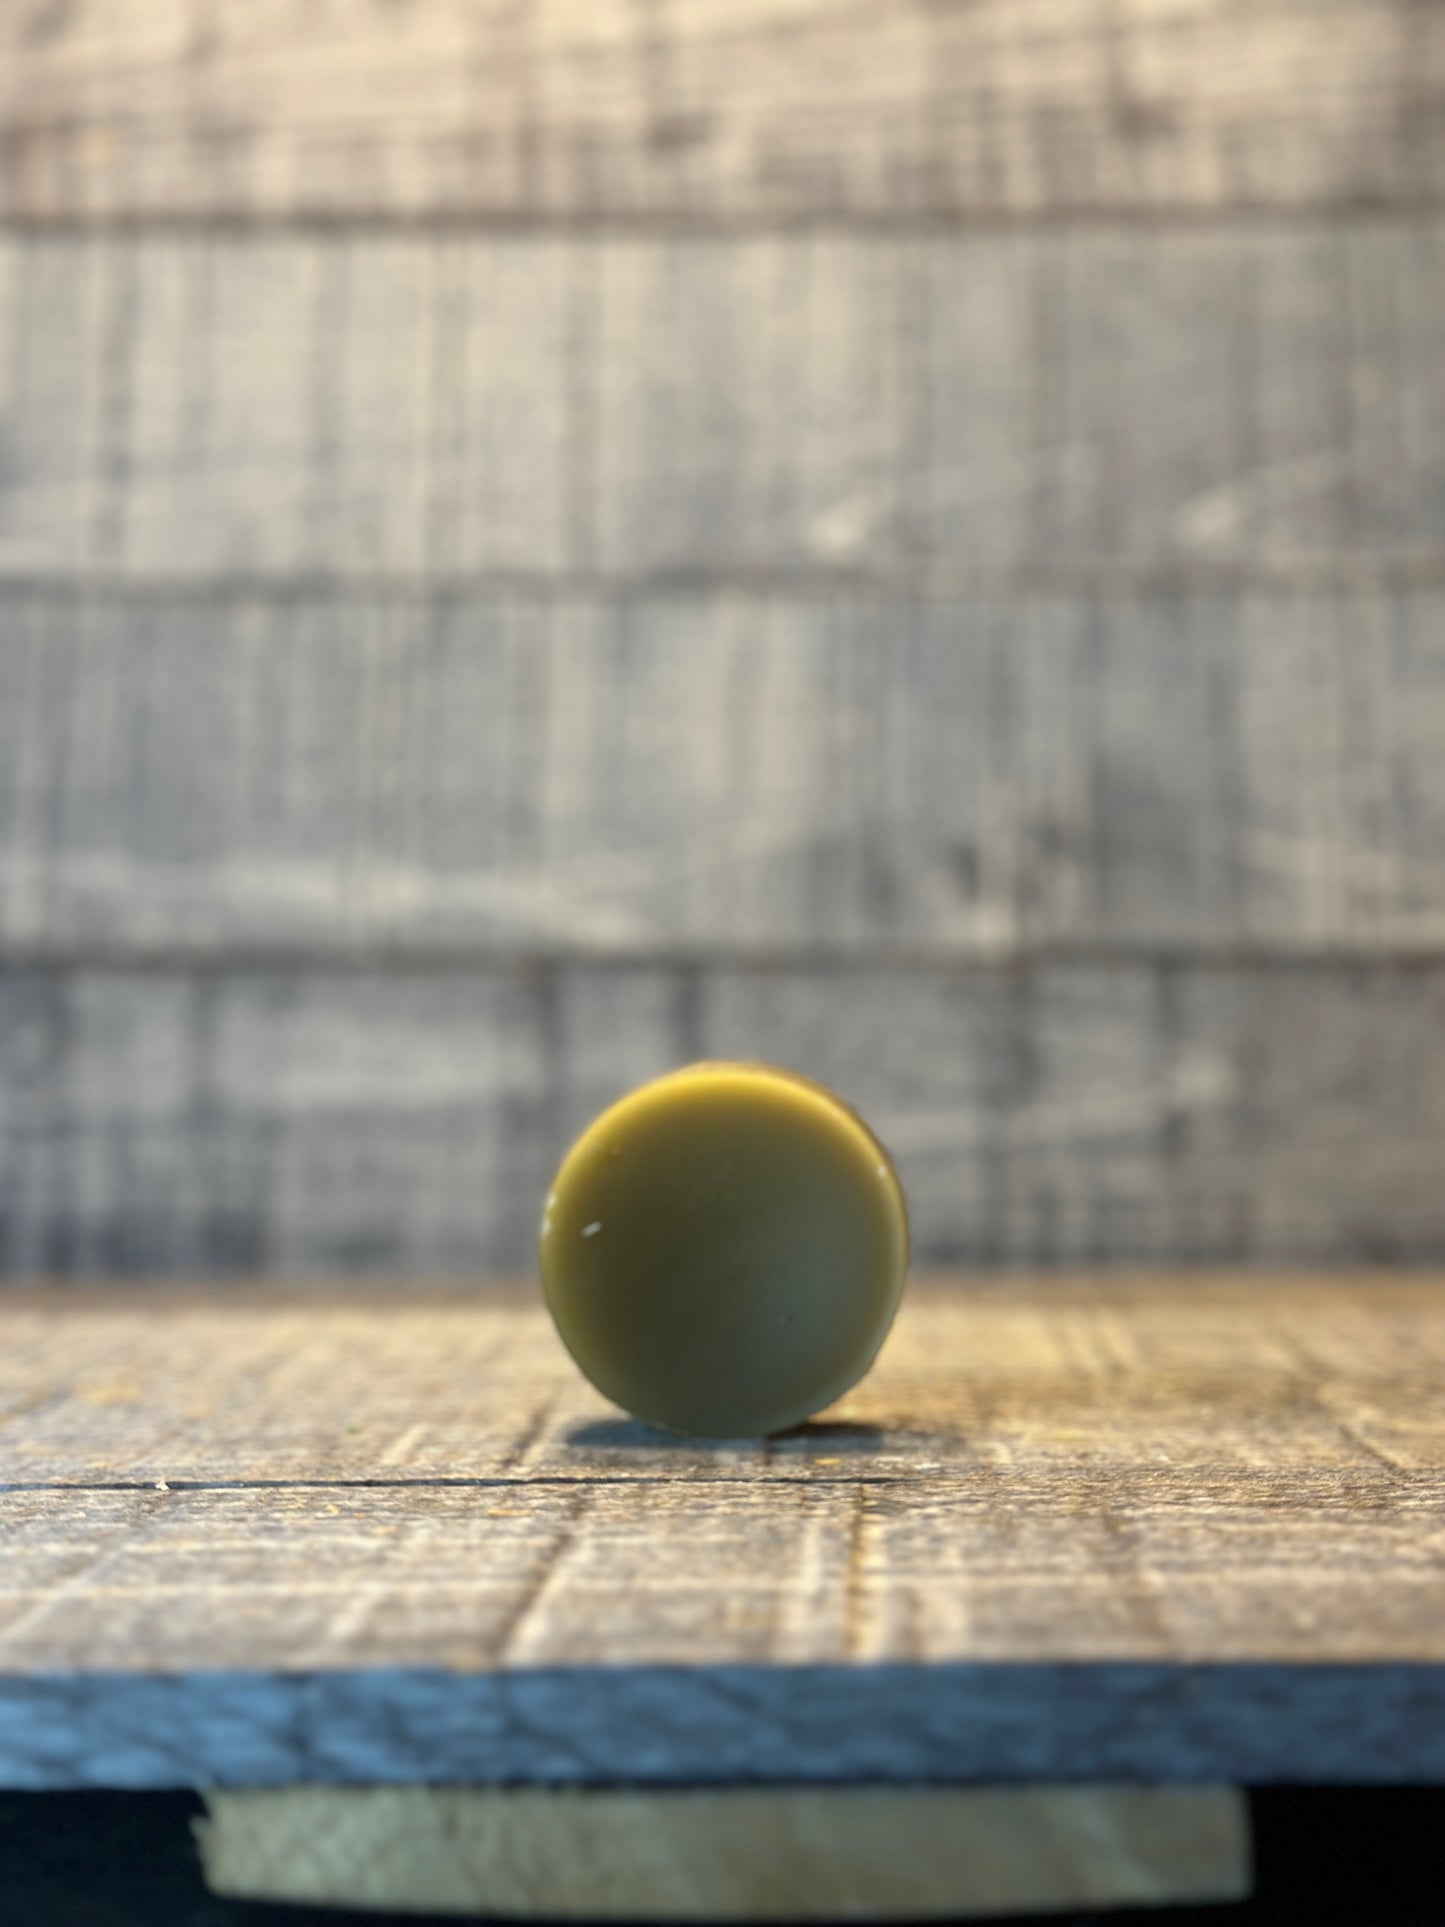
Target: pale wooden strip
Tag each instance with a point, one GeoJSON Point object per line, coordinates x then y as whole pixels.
{"type": "Point", "coordinates": [748, 402]}
{"type": "Point", "coordinates": [784, 1854]}
{"type": "Point", "coordinates": [513, 332]}
{"type": "Point", "coordinates": [305, 1118]}
{"type": "Point", "coordinates": [51, 379]}
{"type": "Point", "coordinates": [234, 1150]}
{"type": "Point", "coordinates": [1231, 401]}
{"type": "Point", "coordinates": [232, 431]}
{"type": "Point", "coordinates": [726, 111]}
{"type": "Point", "coordinates": [1086, 1114]}
{"type": "Point", "coordinates": [978, 777]}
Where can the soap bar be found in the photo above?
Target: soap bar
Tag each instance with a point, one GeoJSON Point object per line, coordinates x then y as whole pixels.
{"type": "Point", "coordinates": [723, 1250]}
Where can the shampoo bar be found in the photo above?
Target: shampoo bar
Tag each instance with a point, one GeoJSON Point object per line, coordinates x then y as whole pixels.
{"type": "Point", "coordinates": [723, 1250]}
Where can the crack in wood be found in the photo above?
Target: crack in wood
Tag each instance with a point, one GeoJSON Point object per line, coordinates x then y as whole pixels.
{"type": "Point", "coordinates": [564, 1481]}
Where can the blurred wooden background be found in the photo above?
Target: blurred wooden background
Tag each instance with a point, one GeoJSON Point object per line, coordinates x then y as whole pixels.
{"type": "Point", "coordinates": [542, 540]}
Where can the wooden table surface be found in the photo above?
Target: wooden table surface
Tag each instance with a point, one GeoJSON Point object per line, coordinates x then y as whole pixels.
{"type": "Point", "coordinates": [1071, 1529]}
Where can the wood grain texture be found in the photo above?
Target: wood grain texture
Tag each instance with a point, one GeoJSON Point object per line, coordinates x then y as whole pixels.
{"type": "Point", "coordinates": [539, 540]}
{"type": "Point", "coordinates": [1256, 399]}
{"type": "Point", "coordinates": [1011, 1383]}
{"type": "Point", "coordinates": [796, 1853]}
{"type": "Point", "coordinates": [564, 110]}
{"type": "Point", "coordinates": [1062, 1532]}
{"type": "Point", "coordinates": [319, 1119]}
{"type": "Point", "coordinates": [983, 776]}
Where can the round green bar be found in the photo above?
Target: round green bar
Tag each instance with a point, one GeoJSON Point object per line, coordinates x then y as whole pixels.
{"type": "Point", "coordinates": [723, 1250]}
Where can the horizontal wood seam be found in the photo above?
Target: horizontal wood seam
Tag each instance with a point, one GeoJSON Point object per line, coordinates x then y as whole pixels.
{"type": "Point", "coordinates": [924, 581]}
{"type": "Point", "coordinates": [703, 224]}
{"type": "Point", "coordinates": [382, 958]}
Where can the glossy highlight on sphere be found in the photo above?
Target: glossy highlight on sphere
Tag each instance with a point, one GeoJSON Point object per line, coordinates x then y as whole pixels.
{"type": "Point", "coordinates": [723, 1251]}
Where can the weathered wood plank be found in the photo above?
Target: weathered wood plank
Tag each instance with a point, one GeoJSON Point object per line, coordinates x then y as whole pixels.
{"type": "Point", "coordinates": [768, 108]}
{"type": "Point", "coordinates": [1113, 1569]}
{"type": "Point", "coordinates": [988, 776]}
{"type": "Point", "coordinates": [1232, 399]}
{"type": "Point", "coordinates": [307, 1118]}
{"type": "Point", "coordinates": [154, 1119]}
{"type": "Point", "coordinates": [1208, 1110]}
{"type": "Point", "coordinates": [1019, 1380]}
{"type": "Point", "coordinates": [1248, 1721]}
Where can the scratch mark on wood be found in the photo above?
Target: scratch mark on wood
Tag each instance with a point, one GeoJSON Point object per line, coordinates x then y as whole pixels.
{"type": "Point", "coordinates": [525, 1622]}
